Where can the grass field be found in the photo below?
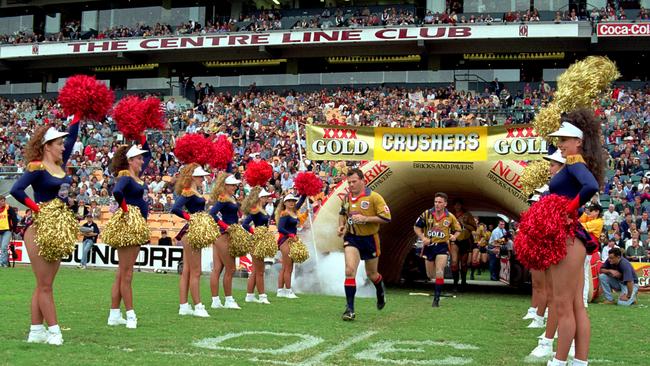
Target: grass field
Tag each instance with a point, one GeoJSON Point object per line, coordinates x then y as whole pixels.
{"type": "Point", "coordinates": [474, 328]}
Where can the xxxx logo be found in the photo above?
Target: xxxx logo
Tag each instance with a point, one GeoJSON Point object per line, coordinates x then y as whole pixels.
{"type": "Point", "coordinates": [339, 133]}
{"type": "Point", "coordinates": [520, 132]}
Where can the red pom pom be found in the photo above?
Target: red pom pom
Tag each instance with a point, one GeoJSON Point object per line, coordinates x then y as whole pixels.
{"type": "Point", "coordinates": [258, 173]}
{"type": "Point", "coordinates": [190, 148]}
{"type": "Point", "coordinates": [86, 98]}
{"type": "Point", "coordinates": [307, 184]}
{"type": "Point", "coordinates": [127, 118]}
{"type": "Point", "coordinates": [543, 232]}
{"type": "Point", "coordinates": [152, 113]}
{"type": "Point", "coordinates": [223, 153]}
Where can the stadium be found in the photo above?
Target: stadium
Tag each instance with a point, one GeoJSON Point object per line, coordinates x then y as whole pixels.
{"type": "Point", "coordinates": [153, 148]}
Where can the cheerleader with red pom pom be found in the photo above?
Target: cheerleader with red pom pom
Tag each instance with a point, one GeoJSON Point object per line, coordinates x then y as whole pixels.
{"type": "Point", "coordinates": [127, 229]}
{"type": "Point", "coordinates": [47, 154]}
{"type": "Point", "coordinates": [570, 188]}
{"type": "Point", "coordinates": [225, 212]}
{"type": "Point", "coordinates": [287, 218]}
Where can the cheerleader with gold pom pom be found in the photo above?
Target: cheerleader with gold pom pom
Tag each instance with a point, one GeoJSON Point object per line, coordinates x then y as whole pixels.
{"type": "Point", "coordinates": [54, 231]}
{"type": "Point", "coordinates": [287, 219]}
{"type": "Point", "coordinates": [127, 229]}
{"type": "Point", "coordinates": [225, 212]}
{"type": "Point", "coordinates": [263, 241]}
{"type": "Point", "coordinates": [200, 232]}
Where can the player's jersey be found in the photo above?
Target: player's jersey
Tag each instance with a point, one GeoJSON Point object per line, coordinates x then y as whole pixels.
{"type": "Point", "coordinates": [438, 229]}
{"type": "Point", "coordinates": [368, 204]}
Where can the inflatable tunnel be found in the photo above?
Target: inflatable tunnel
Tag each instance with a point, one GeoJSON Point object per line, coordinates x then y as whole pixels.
{"type": "Point", "coordinates": [409, 188]}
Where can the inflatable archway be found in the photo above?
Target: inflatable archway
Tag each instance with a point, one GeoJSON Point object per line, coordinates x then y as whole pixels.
{"type": "Point", "coordinates": [409, 188]}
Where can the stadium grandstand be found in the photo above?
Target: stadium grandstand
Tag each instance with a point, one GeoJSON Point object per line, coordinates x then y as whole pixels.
{"type": "Point", "coordinates": [259, 70]}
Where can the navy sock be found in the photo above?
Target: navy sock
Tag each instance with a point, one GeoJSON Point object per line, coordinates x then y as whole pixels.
{"type": "Point", "coordinates": [350, 291]}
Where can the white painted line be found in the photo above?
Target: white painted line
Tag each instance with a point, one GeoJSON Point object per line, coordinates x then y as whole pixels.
{"type": "Point", "coordinates": [319, 358]}
{"type": "Point", "coordinates": [308, 341]}
{"type": "Point", "coordinates": [376, 350]}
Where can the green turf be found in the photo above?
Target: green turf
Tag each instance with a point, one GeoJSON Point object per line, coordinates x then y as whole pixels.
{"type": "Point", "coordinates": [489, 322]}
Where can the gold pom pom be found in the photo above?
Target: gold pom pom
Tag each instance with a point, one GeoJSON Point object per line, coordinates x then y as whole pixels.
{"type": "Point", "coordinates": [535, 175]}
{"type": "Point", "coordinates": [584, 81]}
{"type": "Point", "coordinates": [203, 231]}
{"type": "Point", "coordinates": [297, 250]}
{"type": "Point", "coordinates": [240, 243]}
{"type": "Point", "coordinates": [125, 229]}
{"type": "Point", "coordinates": [547, 120]}
{"type": "Point", "coordinates": [264, 243]}
{"type": "Point", "coordinates": [56, 230]}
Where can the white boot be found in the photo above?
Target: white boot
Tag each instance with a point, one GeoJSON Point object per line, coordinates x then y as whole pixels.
{"type": "Point", "coordinates": [230, 303]}
{"type": "Point", "coordinates": [538, 322]}
{"type": "Point", "coordinates": [577, 362]}
{"type": "Point", "coordinates": [199, 310]}
{"type": "Point", "coordinates": [264, 299]}
{"type": "Point", "coordinates": [131, 319]}
{"type": "Point", "coordinates": [530, 314]}
{"type": "Point", "coordinates": [281, 293]}
{"type": "Point", "coordinates": [544, 349]}
{"type": "Point", "coordinates": [54, 336]}
{"type": "Point", "coordinates": [556, 362]}
{"type": "Point", "coordinates": [289, 294]}
{"type": "Point", "coordinates": [250, 298]}
{"type": "Point", "coordinates": [216, 302]}
{"type": "Point", "coordinates": [185, 309]}
{"type": "Point", "coordinates": [115, 317]}
{"type": "Point", "coordinates": [37, 334]}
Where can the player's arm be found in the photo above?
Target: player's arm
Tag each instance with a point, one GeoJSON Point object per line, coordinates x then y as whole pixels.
{"type": "Point", "coordinates": [342, 220]}
{"type": "Point", "coordinates": [418, 228]}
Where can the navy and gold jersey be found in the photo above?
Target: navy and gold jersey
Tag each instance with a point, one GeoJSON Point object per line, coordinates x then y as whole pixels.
{"type": "Point", "coordinates": [438, 229]}
{"type": "Point", "coordinates": [368, 204]}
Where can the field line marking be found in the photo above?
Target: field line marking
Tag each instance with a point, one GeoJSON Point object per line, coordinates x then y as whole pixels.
{"type": "Point", "coordinates": [318, 359]}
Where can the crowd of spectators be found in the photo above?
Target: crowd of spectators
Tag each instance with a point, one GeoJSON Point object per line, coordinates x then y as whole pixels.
{"type": "Point", "coordinates": [266, 20]}
{"type": "Point", "coordinates": [263, 124]}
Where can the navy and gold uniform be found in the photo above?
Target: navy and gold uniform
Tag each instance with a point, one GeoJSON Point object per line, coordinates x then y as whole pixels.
{"type": "Point", "coordinates": [438, 230]}
{"type": "Point", "coordinates": [364, 236]}
{"type": "Point", "coordinates": [464, 240]}
{"type": "Point", "coordinates": [577, 183]}
{"type": "Point", "coordinates": [225, 212]}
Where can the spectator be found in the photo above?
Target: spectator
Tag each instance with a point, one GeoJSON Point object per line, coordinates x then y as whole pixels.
{"type": "Point", "coordinates": [605, 252]}
{"type": "Point", "coordinates": [617, 273]}
{"type": "Point", "coordinates": [643, 223]}
{"type": "Point", "coordinates": [636, 252]}
{"type": "Point", "coordinates": [164, 239]}
{"type": "Point", "coordinates": [90, 231]}
{"type": "Point", "coordinates": [610, 216]}
{"type": "Point", "coordinates": [8, 223]}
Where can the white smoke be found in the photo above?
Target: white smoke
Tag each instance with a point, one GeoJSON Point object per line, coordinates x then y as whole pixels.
{"type": "Point", "coordinates": [324, 273]}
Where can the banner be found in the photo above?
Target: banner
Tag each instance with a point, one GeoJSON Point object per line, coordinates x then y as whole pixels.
{"type": "Point", "coordinates": [150, 257]}
{"type": "Point", "coordinates": [623, 30]}
{"type": "Point", "coordinates": [293, 39]}
{"type": "Point", "coordinates": [457, 144]}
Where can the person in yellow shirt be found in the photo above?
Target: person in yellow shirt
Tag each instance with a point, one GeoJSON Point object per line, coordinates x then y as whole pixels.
{"type": "Point", "coordinates": [592, 221]}
{"type": "Point", "coordinates": [8, 221]}
{"type": "Point", "coordinates": [362, 212]}
{"type": "Point", "coordinates": [436, 228]}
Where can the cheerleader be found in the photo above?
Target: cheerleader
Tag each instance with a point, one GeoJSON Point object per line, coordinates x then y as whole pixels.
{"type": "Point", "coordinates": [543, 282]}
{"type": "Point", "coordinates": [225, 212]}
{"type": "Point", "coordinates": [127, 166]}
{"type": "Point", "coordinates": [287, 218]}
{"type": "Point", "coordinates": [254, 209]}
{"type": "Point", "coordinates": [47, 154]}
{"type": "Point", "coordinates": [579, 180]}
{"type": "Point", "coordinates": [190, 178]}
